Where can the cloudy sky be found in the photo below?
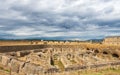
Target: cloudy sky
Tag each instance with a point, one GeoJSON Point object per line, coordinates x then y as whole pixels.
{"type": "Point", "coordinates": [59, 19]}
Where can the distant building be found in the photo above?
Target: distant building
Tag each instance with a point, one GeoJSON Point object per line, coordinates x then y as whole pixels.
{"type": "Point", "coordinates": [112, 40]}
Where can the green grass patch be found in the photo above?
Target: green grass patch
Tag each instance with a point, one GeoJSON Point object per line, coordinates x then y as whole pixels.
{"type": "Point", "coordinates": [60, 65]}
{"type": "Point", "coordinates": [73, 61]}
{"type": "Point", "coordinates": [110, 71]}
{"type": "Point", "coordinates": [1, 68]}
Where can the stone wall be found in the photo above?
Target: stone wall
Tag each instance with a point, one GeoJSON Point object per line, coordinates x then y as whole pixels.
{"type": "Point", "coordinates": [112, 40]}
{"type": "Point", "coordinates": [18, 67]}
{"type": "Point", "coordinates": [20, 47]}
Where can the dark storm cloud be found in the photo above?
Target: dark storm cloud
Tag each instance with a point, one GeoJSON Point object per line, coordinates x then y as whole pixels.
{"type": "Point", "coordinates": [61, 19]}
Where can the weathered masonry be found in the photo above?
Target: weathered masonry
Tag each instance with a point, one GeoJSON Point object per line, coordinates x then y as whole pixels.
{"type": "Point", "coordinates": [113, 40]}
{"type": "Point", "coordinates": [57, 59]}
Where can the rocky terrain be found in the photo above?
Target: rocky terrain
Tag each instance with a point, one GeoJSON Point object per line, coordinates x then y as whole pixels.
{"type": "Point", "coordinates": [58, 58]}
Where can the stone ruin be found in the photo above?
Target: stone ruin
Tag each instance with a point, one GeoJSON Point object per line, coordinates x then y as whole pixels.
{"type": "Point", "coordinates": [57, 59]}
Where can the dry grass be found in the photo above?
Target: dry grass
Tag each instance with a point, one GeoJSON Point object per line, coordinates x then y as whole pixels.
{"type": "Point", "coordinates": [110, 71]}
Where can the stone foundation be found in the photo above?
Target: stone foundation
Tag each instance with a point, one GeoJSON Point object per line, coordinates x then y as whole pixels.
{"type": "Point", "coordinates": [57, 59]}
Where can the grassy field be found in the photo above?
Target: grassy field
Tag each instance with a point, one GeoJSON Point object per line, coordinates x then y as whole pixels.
{"type": "Point", "coordinates": [110, 71]}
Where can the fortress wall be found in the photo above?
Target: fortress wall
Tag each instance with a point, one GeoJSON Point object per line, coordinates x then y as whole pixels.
{"type": "Point", "coordinates": [113, 40]}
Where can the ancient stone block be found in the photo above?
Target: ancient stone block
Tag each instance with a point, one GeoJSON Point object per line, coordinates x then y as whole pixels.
{"type": "Point", "coordinates": [16, 65]}
{"type": "Point", "coordinates": [5, 60]}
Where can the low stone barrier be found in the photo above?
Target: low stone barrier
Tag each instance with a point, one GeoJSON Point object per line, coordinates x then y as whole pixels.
{"type": "Point", "coordinates": [4, 49]}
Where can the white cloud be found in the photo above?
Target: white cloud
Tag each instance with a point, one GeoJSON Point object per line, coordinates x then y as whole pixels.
{"type": "Point", "coordinates": [1, 26]}
{"type": "Point", "coordinates": [58, 18]}
{"type": "Point", "coordinates": [24, 31]}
